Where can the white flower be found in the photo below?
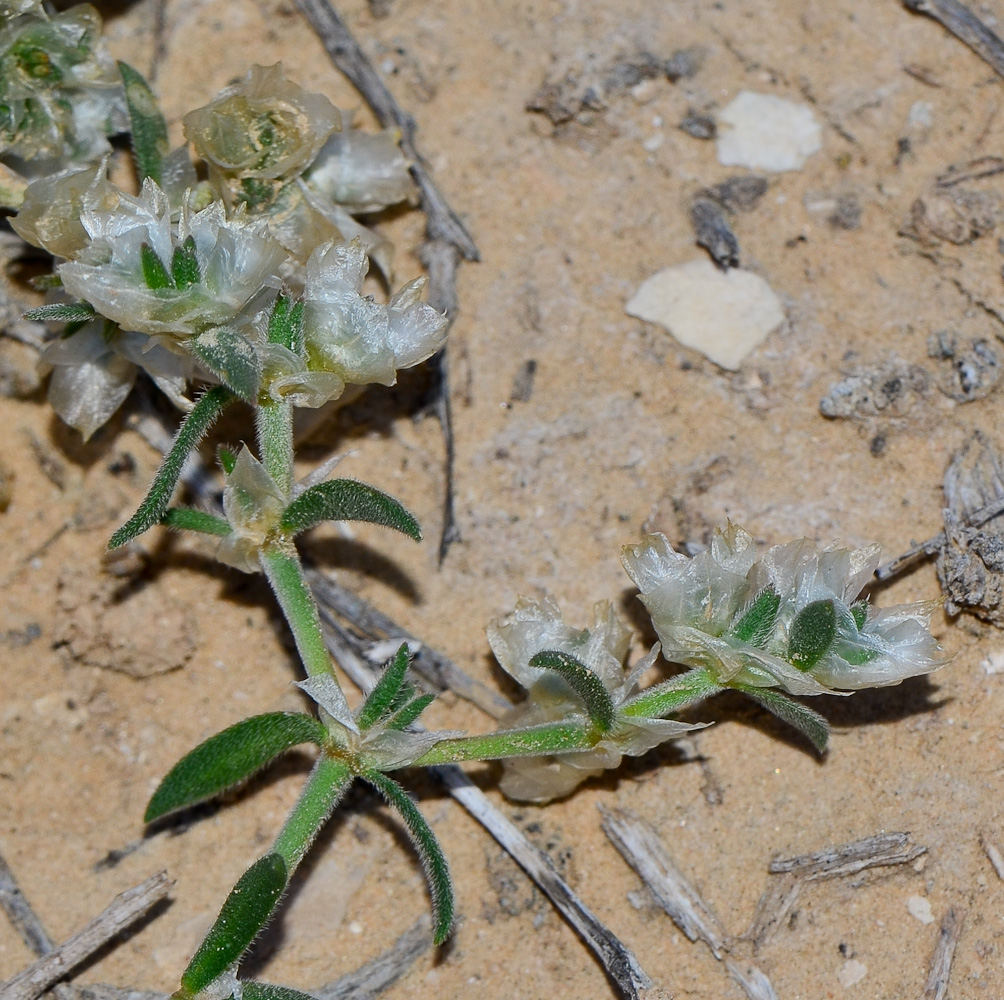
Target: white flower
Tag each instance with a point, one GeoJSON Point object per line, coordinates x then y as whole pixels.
{"type": "Point", "coordinates": [235, 266]}
{"type": "Point", "coordinates": [94, 370]}
{"type": "Point", "coordinates": [789, 619]}
{"type": "Point", "coordinates": [536, 627]}
{"type": "Point", "coordinates": [359, 339]}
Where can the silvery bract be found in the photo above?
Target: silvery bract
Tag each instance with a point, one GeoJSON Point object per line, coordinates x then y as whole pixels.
{"type": "Point", "coordinates": [237, 265]}
{"type": "Point", "coordinates": [789, 619]}
{"type": "Point", "coordinates": [361, 340]}
{"type": "Point", "coordinates": [60, 92]}
{"type": "Point", "coordinates": [253, 504]}
{"type": "Point", "coordinates": [536, 627]}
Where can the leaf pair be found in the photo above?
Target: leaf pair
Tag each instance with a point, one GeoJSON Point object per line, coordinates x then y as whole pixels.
{"type": "Point", "coordinates": [394, 703]}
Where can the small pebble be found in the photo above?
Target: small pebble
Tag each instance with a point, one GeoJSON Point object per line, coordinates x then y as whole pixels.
{"type": "Point", "coordinates": [851, 972]}
{"type": "Point", "coordinates": [763, 132]}
{"type": "Point", "coordinates": [920, 907]}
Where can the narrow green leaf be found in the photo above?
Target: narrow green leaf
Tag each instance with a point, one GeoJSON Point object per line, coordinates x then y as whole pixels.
{"type": "Point", "coordinates": [45, 282]}
{"type": "Point", "coordinates": [266, 991]}
{"type": "Point", "coordinates": [295, 324]}
{"type": "Point", "coordinates": [146, 124]}
{"type": "Point", "coordinates": [406, 715]}
{"type": "Point", "coordinates": [245, 912]}
{"type": "Point", "coordinates": [859, 612]}
{"type": "Point", "coordinates": [812, 633]}
{"type": "Point", "coordinates": [158, 497]}
{"type": "Point", "coordinates": [381, 698]}
{"type": "Point", "coordinates": [185, 265]}
{"type": "Point", "coordinates": [756, 625]}
{"type": "Point", "coordinates": [348, 500]}
{"type": "Point", "coordinates": [583, 681]}
{"type": "Point", "coordinates": [155, 274]}
{"type": "Point", "coordinates": [62, 312]}
{"type": "Point", "coordinates": [278, 322]}
{"type": "Point", "coordinates": [232, 357]}
{"type": "Point", "coordinates": [433, 861]}
{"type": "Point", "coordinates": [230, 757]}
{"type": "Point", "coordinates": [227, 458]}
{"type": "Point", "coordinates": [191, 519]}
{"type": "Point", "coordinates": [809, 723]}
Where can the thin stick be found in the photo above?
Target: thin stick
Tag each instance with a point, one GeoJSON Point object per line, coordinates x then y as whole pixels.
{"type": "Point", "coordinates": [447, 238]}
{"type": "Point", "coordinates": [122, 912]}
{"type": "Point", "coordinates": [849, 859]}
{"type": "Point", "coordinates": [936, 985]}
{"type": "Point", "coordinates": [934, 545]}
{"type": "Point", "coordinates": [966, 27]}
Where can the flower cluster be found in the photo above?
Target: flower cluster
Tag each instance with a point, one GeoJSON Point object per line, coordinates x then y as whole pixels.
{"type": "Point", "coordinates": [789, 619]}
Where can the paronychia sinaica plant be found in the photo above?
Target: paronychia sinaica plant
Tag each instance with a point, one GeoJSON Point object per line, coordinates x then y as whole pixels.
{"type": "Point", "coordinates": [246, 286]}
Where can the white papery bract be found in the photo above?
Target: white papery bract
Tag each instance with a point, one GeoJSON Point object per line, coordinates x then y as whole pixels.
{"type": "Point", "coordinates": [253, 504]}
{"type": "Point", "coordinates": [704, 609]}
{"type": "Point", "coordinates": [238, 263]}
{"type": "Point", "coordinates": [536, 627]}
{"type": "Point", "coordinates": [355, 337]}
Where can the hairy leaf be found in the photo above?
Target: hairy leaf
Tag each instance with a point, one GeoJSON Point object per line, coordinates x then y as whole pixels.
{"type": "Point", "coordinates": [406, 715]}
{"type": "Point", "coordinates": [230, 757]}
{"type": "Point", "coordinates": [812, 633]}
{"type": "Point", "coordinates": [756, 626]}
{"type": "Point", "coordinates": [227, 458]}
{"type": "Point", "coordinates": [348, 500]}
{"type": "Point", "coordinates": [285, 324]}
{"type": "Point", "coordinates": [859, 612]}
{"type": "Point", "coordinates": [244, 914]}
{"type": "Point", "coordinates": [62, 312]}
{"type": "Point", "coordinates": [266, 991]}
{"type": "Point", "coordinates": [191, 519]}
{"type": "Point", "coordinates": [185, 265]}
{"type": "Point", "coordinates": [232, 357]}
{"type": "Point", "coordinates": [381, 698]}
{"type": "Point", "coordinates": [146, 124]}
{"type": "Point", "coordinates": [155, 274]}
{"type": "Point", "coordinates": [809, 723]}
{"type": "Point", "coordinates": [583, 681]}
{"type": "Point", "coordinates": [158, 497]}
{"type": "Point", "coordinates": [433, 861]}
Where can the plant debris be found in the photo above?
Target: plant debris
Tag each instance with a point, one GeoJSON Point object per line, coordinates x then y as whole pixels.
{"type": "Point", "coordinates": [714, 233]}
{"type": "Point", "coordinates": [953, 215]}
{"type": "Point", "coordinates": [966, 374]}
{"type": "Point", "coordinates": [890, 389]}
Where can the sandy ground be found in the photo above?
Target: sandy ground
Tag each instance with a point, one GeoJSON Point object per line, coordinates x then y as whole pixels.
{"type": "Point", "coordinates": [619, 429]}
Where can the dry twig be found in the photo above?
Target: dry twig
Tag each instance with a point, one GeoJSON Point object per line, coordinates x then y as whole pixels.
{"type": "Point", "coordinates": [966, 27]}
{"type": "Point", "coordinates": [936, 985]}
{"type": "Point", "coordinates": [849, 859]}
{"type": "Point", "coordinates": [121, 913]}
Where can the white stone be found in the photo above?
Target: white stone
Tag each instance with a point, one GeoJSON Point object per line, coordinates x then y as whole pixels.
{"type": "Point", "coordinates": [766, 133]}
{"type": "Point", "coordinates": [920, 907]}
{"type": "Point", "coordinates": [851, 972]}
{"type": "Point", "coordinates": [722, 314]}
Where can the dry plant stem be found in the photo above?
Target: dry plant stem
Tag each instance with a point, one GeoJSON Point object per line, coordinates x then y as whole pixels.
{"type": "Point", "coordinates": [848, 859]}
{"type": "Point", "coordinates": [773, 909]}
{"type": "Point", "coordinates": [936, 985]}
{"type": "Point", "coordinates": [643, 850]}
{"type": "Point", "coordinates": [123, 911]}
{"type": "Point", "coordinates": [966, 27]}
{"type": "Point", "coordinates": [933, 545]}
{"type": "Point", "coordinates": [448, 238]}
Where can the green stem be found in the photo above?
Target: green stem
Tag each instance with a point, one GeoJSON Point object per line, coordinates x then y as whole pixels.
{"type": "Point", "coordinates": [325, 787]}
{"type": "Point", "coordinates": [285, 574]}
{"type": "Point", "coordinates": [664, 699]}
{"type": "Point", "coordinates": [274, 423]}
{"type": "Point", "coordinates": [538, 741]}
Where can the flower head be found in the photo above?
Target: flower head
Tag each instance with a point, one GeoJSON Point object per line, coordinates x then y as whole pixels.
{"type": "Point", "coordinates": [789, 619]}
{"type": "Point", "coordinates": [253, 504]}
{"type": "Point", "coordinates": [151, 276]}
{"type": "Point", "coordinates": [537, 627]}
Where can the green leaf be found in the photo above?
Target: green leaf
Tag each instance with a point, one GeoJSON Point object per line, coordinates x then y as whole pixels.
{"type": "Point", "coordinates": [244, 914]}
{"type": "Point", "coordinates": [812, 633]}
{"type": "Point", "coordinates": [266, 991]}
{"type": "Point", "coordinates": [859, 612]}
{"type": "Point", "coordinates": [62, 312]}
{"type": "Point", "coordinates": [406, 715]}
{"type": "Point", "coordinates": [348, 500]}
{"type": "Point", "coordinates": [155, 274]}
{"type": "Point", "coordinates": [45, 282]}
{"type": "Point", "coordinates": [230, 757]}
{"type": "Point", "coordinates": [227, 458]}
{"type": "Point", "coordinates": [185, 265]}
{"type": "Point", "coordinates": [433, 861]}
{"type": "Point", "coordinates": [756, 626]}
{"type": "Point", "coordinates": [158, 497]}
{"type": "Point", "coordinates": [285, 324]}
{"type": "Point", "coordinates": [809, 723]}
{"type": "Point", "coordinates": [232, 357]}
{"type": "Point", "coordinates": [583, 681]}
{"type": "Point", "coordinates": [381, 698]}
{"type": "Point", "coordinates": [146, 124]}
{"type": "Point", "coordinates": [191, 519]}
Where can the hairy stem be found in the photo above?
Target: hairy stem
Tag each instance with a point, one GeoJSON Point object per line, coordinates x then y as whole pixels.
{"type": "Point", "coordinates": [274, 423]}
{"type": "Point", "coordinates": [328, 782]}
{"type": "Point", "coordinates": [664, 699]}
{"type": "Point", "coordinates": [538, 741]}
